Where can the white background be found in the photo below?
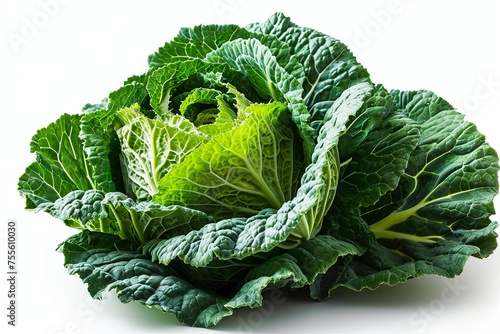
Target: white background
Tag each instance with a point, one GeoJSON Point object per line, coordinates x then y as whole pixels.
{"type": "Point", "coordinates": [57, 57]}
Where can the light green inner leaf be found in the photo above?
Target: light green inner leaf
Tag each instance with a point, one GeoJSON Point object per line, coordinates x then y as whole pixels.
{"type": "Point", "coordinates": [151, 148]}
{"type": "Point", "coordinates": [254, 166]}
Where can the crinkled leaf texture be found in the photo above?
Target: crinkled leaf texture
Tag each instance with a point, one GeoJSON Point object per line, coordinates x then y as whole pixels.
{"type": "Point", "coordinates": [439, 213]}
{"type": "Point", "coordinates": [328, 65]}
{"type": "Point", "coordinates": [107, 263]}
{"type": "Point", "coordinates": [115, 213]}
{"type": "Point", "coordinates": [61, 165]}
{"type": "Point", "coordinates": [151, 148]}
{"type": "Point", "coordinates": [255, 165]}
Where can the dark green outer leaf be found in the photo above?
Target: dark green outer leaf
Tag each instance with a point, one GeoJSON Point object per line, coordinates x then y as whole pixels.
{"type": "Point", "coordinates": [439, 215]}
{"type": "Point", "coordinates": [106, 263]}
{"type": "Point", "coordinates": [94, 257]}
{"type": "Point", "coordinates": [394, 262]}
{"type": "Point", "coordinates": [374, 151]}
{"type": "Point", "coordinates": [329, 66]}
{"type": "Point", "coordinates": [196, 42]}
{"type": "Point", "coordinates": [61, 165]}
{"type": "Point", "coordinates": [101, 147]}
{"type": "Point", "coordinates": [452, 175]}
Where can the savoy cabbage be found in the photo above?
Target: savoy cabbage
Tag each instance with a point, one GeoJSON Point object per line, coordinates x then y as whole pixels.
{"type": "Point", "coordinates": [249, 159]}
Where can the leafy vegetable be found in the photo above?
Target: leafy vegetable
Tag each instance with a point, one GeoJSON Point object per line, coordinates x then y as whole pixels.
{"type": "Point", "coordinates": [257, 158]}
